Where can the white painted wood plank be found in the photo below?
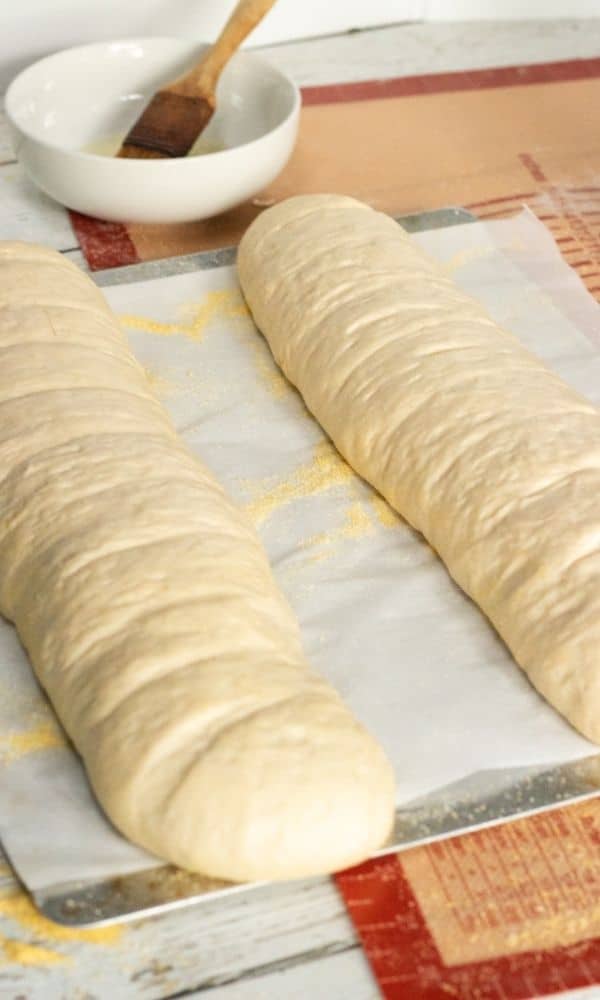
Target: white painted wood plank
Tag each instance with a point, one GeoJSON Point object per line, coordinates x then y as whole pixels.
{"type": "Point", "coordinates": [27, 214]}
{"type": "Point", "coordinates": [203, 946]}
{"type": "Point", "coordinates": [199, 947]}
{"type": "Point", "coordinates": [412, 49]}
{"type": "Point", "coordinates": [494, 10]}
{"type": "Point", "coordinates": [74, 23]}
{"type": "Point", "coordinates": [6, 150]}
{"type": "Point", "coordinates": [344, 976]}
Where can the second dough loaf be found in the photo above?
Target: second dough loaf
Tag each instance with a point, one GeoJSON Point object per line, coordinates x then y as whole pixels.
{"type": "Point", "coordinates": [469, 436]}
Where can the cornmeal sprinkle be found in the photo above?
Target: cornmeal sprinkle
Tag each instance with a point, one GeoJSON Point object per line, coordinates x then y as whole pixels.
{"type": "Point", "coordinates": [326, 470]}
{"type": "Point", "coordinates": [226, 303]}
{"type": "Point", "coordinates": [17, 908]}
{"type": "Point", "coordinates": [41, 737]}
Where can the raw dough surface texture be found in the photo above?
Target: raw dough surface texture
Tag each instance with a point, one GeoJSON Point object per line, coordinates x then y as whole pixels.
{"type": "Point", "coordinates": [148, 609]}
{"type": "Point", "coordinates": [467, 435]}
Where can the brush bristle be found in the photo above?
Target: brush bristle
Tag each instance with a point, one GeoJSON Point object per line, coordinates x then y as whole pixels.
{"type": "Point", "coordinates": [168, 127]}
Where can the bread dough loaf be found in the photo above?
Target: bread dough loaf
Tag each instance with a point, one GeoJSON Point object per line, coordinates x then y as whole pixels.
{"type": "Point", "coordinates": [466, 434]}
{"type": "Point", "coordinates": [150, 615]}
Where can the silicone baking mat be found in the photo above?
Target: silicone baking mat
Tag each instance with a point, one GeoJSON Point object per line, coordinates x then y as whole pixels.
{"type": "Point", "coordinates": [508, 912]}
{"type": "Point", "coordinates": [488, 140]}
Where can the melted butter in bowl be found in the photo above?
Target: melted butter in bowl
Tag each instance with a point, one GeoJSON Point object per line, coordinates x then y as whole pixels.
{"type": "Point", "coordinates": [56, 123]}
{"type": "Point", "coordinates": [109, 145]}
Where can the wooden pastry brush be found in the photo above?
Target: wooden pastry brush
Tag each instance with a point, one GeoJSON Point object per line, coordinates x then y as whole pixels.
{"type": "Point", "coordinates": [180, 111]}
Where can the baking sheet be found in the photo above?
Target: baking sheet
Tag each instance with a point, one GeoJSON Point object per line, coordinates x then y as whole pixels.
{"type": "Point", "coordinates": [380, 617]}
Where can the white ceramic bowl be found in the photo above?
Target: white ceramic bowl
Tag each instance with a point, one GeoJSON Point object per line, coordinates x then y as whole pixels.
{"type": "Point", "coordinates": [88, 96]}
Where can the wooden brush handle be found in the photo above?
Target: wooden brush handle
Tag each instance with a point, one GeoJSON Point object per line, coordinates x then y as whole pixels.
{"type": "Point", "coordinates": [201, 81]}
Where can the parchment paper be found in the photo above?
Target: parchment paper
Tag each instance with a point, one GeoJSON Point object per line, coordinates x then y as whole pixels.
{"type": "Point", "coordinates": [381, 619]}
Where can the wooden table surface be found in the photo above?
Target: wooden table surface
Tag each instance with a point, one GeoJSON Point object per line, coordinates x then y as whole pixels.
{"type": "Point", "coordinates": [287, 941]}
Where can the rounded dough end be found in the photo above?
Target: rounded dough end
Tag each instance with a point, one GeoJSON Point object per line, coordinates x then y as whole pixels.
{"type": "Point", "coordinates": [293, 790]}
